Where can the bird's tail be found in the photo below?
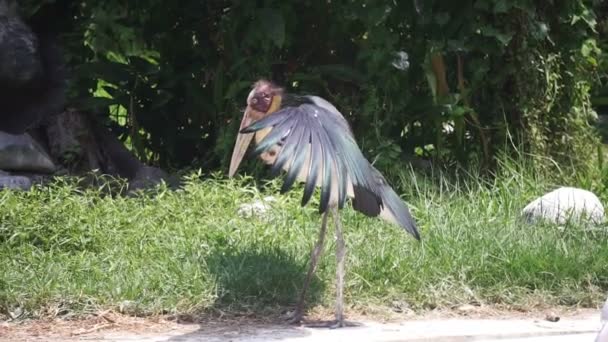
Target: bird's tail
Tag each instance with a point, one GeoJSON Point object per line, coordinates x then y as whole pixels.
{"type": "Point", "coordinates": [384, 202]}
{"type": "Point", "coordinates": [396, 211]}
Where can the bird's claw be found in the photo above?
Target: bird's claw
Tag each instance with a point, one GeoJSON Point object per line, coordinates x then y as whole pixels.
{"type": "Point", "coordinates": [339, 323]}
{"type": "Point", "coordinates": [295, 317]}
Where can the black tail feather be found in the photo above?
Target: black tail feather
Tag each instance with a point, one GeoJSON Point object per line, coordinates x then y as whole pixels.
{"type": "Point", "coordinates": [399, 210]}
{"type": "Point", "coordinates": [385, 198]}
{"type": "Point", "coordinates": [366, 202]}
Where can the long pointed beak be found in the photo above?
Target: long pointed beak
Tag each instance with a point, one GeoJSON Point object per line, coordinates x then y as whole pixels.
{"type": "Point", "coordinates": [240, 147]}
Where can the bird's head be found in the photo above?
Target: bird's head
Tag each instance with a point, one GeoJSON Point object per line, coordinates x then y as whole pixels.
{"type": "Point", "coordinates": [264, 99]}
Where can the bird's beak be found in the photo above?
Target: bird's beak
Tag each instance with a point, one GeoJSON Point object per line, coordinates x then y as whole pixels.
{"type": "Point", "coordinates": [242, 143]}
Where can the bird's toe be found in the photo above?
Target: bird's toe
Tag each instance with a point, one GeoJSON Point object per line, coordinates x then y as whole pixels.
{"type": "Point", "coordinates": [337, 324]}
{"type": "Point", "coordinates": [295, 317]}
{"type": "Point", "coordinates": [341, 323]}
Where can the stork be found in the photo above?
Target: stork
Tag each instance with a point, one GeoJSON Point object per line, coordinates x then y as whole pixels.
{"type": "Point", "coordinates": [307, 137]}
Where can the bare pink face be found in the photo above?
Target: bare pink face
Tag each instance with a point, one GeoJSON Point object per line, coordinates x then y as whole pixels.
{"type": "Point", "coordinates": [260, 97]}
{"type": "Point", "coordinates": [259, 104]}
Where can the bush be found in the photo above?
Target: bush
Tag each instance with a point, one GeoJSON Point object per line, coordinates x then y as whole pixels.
{"type": "Point", "coordinates": [479, 75]}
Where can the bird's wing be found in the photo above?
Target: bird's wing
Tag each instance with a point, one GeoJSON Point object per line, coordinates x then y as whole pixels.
{"type": "Point", "coordinates": [315, 135]}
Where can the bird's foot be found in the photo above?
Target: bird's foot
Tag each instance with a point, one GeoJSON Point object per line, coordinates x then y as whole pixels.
{"type": "Point", "coordinates": [333, 324]}
{"type": "Point", "coordinates": [295, 317]}
{"type": "Point", "coordinates": [339, 323]}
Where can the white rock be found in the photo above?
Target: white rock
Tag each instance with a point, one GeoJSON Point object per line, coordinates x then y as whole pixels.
{"type": "Point", "coordinates": [401, 60]}
{"type": "Point", "coordinates": [22, 153]}
{"type": "Point", "coordinates": [15, 182]}
{"type": "Point", "coordinates": [255, 208]}
{"type": "Point", "coordinates": [565, 203]}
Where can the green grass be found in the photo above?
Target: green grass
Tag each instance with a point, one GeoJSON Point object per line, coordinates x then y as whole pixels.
{"type": "Point", "coordinates": [68, 250]}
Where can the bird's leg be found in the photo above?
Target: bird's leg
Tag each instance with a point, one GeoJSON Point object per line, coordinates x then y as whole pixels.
{"type": "Point", "coordinates": [315, 254]}
{"type": "Point", "coordinates": [340, 253]}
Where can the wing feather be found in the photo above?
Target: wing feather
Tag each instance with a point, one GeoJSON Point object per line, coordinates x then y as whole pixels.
{"type": "Point", "coordinates": [274, 137]}
{"type": "Point", "coordinates": [313, 171]}
{"type": "Point", "coordinates": [267, 121]}
{"type": "Point", "coordinates": [330, 144]}
{"type": "Point", "coordinates": [326, 180]}
{"type": "Point", "coordinates": [315, 129]}
{"type": "Point", "coordinates": [297, 139]}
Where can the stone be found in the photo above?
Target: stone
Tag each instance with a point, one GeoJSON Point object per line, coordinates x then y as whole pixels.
{"type": "Point", "coordinates": [66, 133]}
{"type": "Point", "coordinates": [22, 153]}
{"type": "Point", "coordinates": [15, 182]}
{"type": "Point", "coordinates": [552, 317]}
{"type": "Point", "coordinates": [466, 309]}
{"type": "Point", "coordinates": [147, 177]}
{"type": "Point", "coordinates": [256, 208]}
{"type": "Point", "coordinates": [128, 307]}
{"type": "Point", "coordinates": [401, 61]}
{"type": "Point", "coordinates": [564, 204]}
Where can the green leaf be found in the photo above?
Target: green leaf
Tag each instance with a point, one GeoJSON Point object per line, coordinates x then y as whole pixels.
{"type": "Point", "coordinates": [502, 37]}
{"type": "Point", "coordinates": [378, 15]}
{"type": "Point", "coordinates": [143, 65]}
{"type": "Point", "coordinates": [458, 111]}
{"type": "Point", "coordinates": [272, 25]}
{"type": "Point", "coordinates": [457, 45]}
{"type": "Point", "coordinates": [111, 72]}
{"type": "Point", "coordinates": [342, 72]}
{"type": "Point", "coordinates": [442, 18]}
{"type": "Point", "coordinates": [600, 101]}
{"type": "Point", "coordinates": [501, 6]}
{"type": "Point", "coordinates": [459, 130]}
{"type": "Point", "coordinates": [161, 99]}
{"type": "Point", "coordinates": [589, 48]}
{"type": "Point", "coordinates": [587, 16]}
{"type": "Point", "coordinates": [218, 86]}
{"type": "Point", "coordinates": [95, 103]}
{"type": "Point", "coordinates": [235, 88]}
{"type": "Point", "coordinates": [430, 77]}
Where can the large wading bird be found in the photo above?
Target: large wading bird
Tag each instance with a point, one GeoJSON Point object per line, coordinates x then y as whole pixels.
{"type": "Point", "coordinates": [307, 137]}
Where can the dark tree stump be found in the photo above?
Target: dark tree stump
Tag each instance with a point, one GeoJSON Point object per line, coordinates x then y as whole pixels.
{"type": "Point", "coordinates": [79, 144]}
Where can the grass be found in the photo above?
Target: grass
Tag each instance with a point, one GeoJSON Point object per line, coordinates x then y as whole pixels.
{"type": "Point", "coordinates": [67, 250]}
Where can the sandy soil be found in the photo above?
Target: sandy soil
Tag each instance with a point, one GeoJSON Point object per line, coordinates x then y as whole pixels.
{"type": "Point", "coordinates": [104, 325]}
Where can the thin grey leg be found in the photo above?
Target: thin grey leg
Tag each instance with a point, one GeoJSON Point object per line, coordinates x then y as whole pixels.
{"type": "Point", "coordinates": [314, 258]}
{"type": "Point", "coordinates": [340, 253]}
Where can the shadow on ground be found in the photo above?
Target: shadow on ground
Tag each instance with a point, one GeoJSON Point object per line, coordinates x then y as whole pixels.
{"type": "Point", "coordinates": [259, 278]}
{"type": "Point", "coordinates": [239, 332]}
{"type": "Point", "coordinates": [258, 283]}
{"type": "Point", "coordinates": [581, 326]}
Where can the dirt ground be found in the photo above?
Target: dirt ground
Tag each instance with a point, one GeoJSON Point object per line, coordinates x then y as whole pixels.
{"type": "Point", "coordinates": [103, 325]}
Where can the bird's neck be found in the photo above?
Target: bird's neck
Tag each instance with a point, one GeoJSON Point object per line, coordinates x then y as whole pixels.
{"type": "Point", "coordinates": [274, 106]}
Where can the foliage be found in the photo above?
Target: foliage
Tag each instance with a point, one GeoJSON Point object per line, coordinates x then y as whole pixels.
{"type": "Point", "coordinates": [66, 250]}
{"type": "Point", "coordinates": [172, 77]}
{"type": "Point", "coordinates": [600, 98]}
